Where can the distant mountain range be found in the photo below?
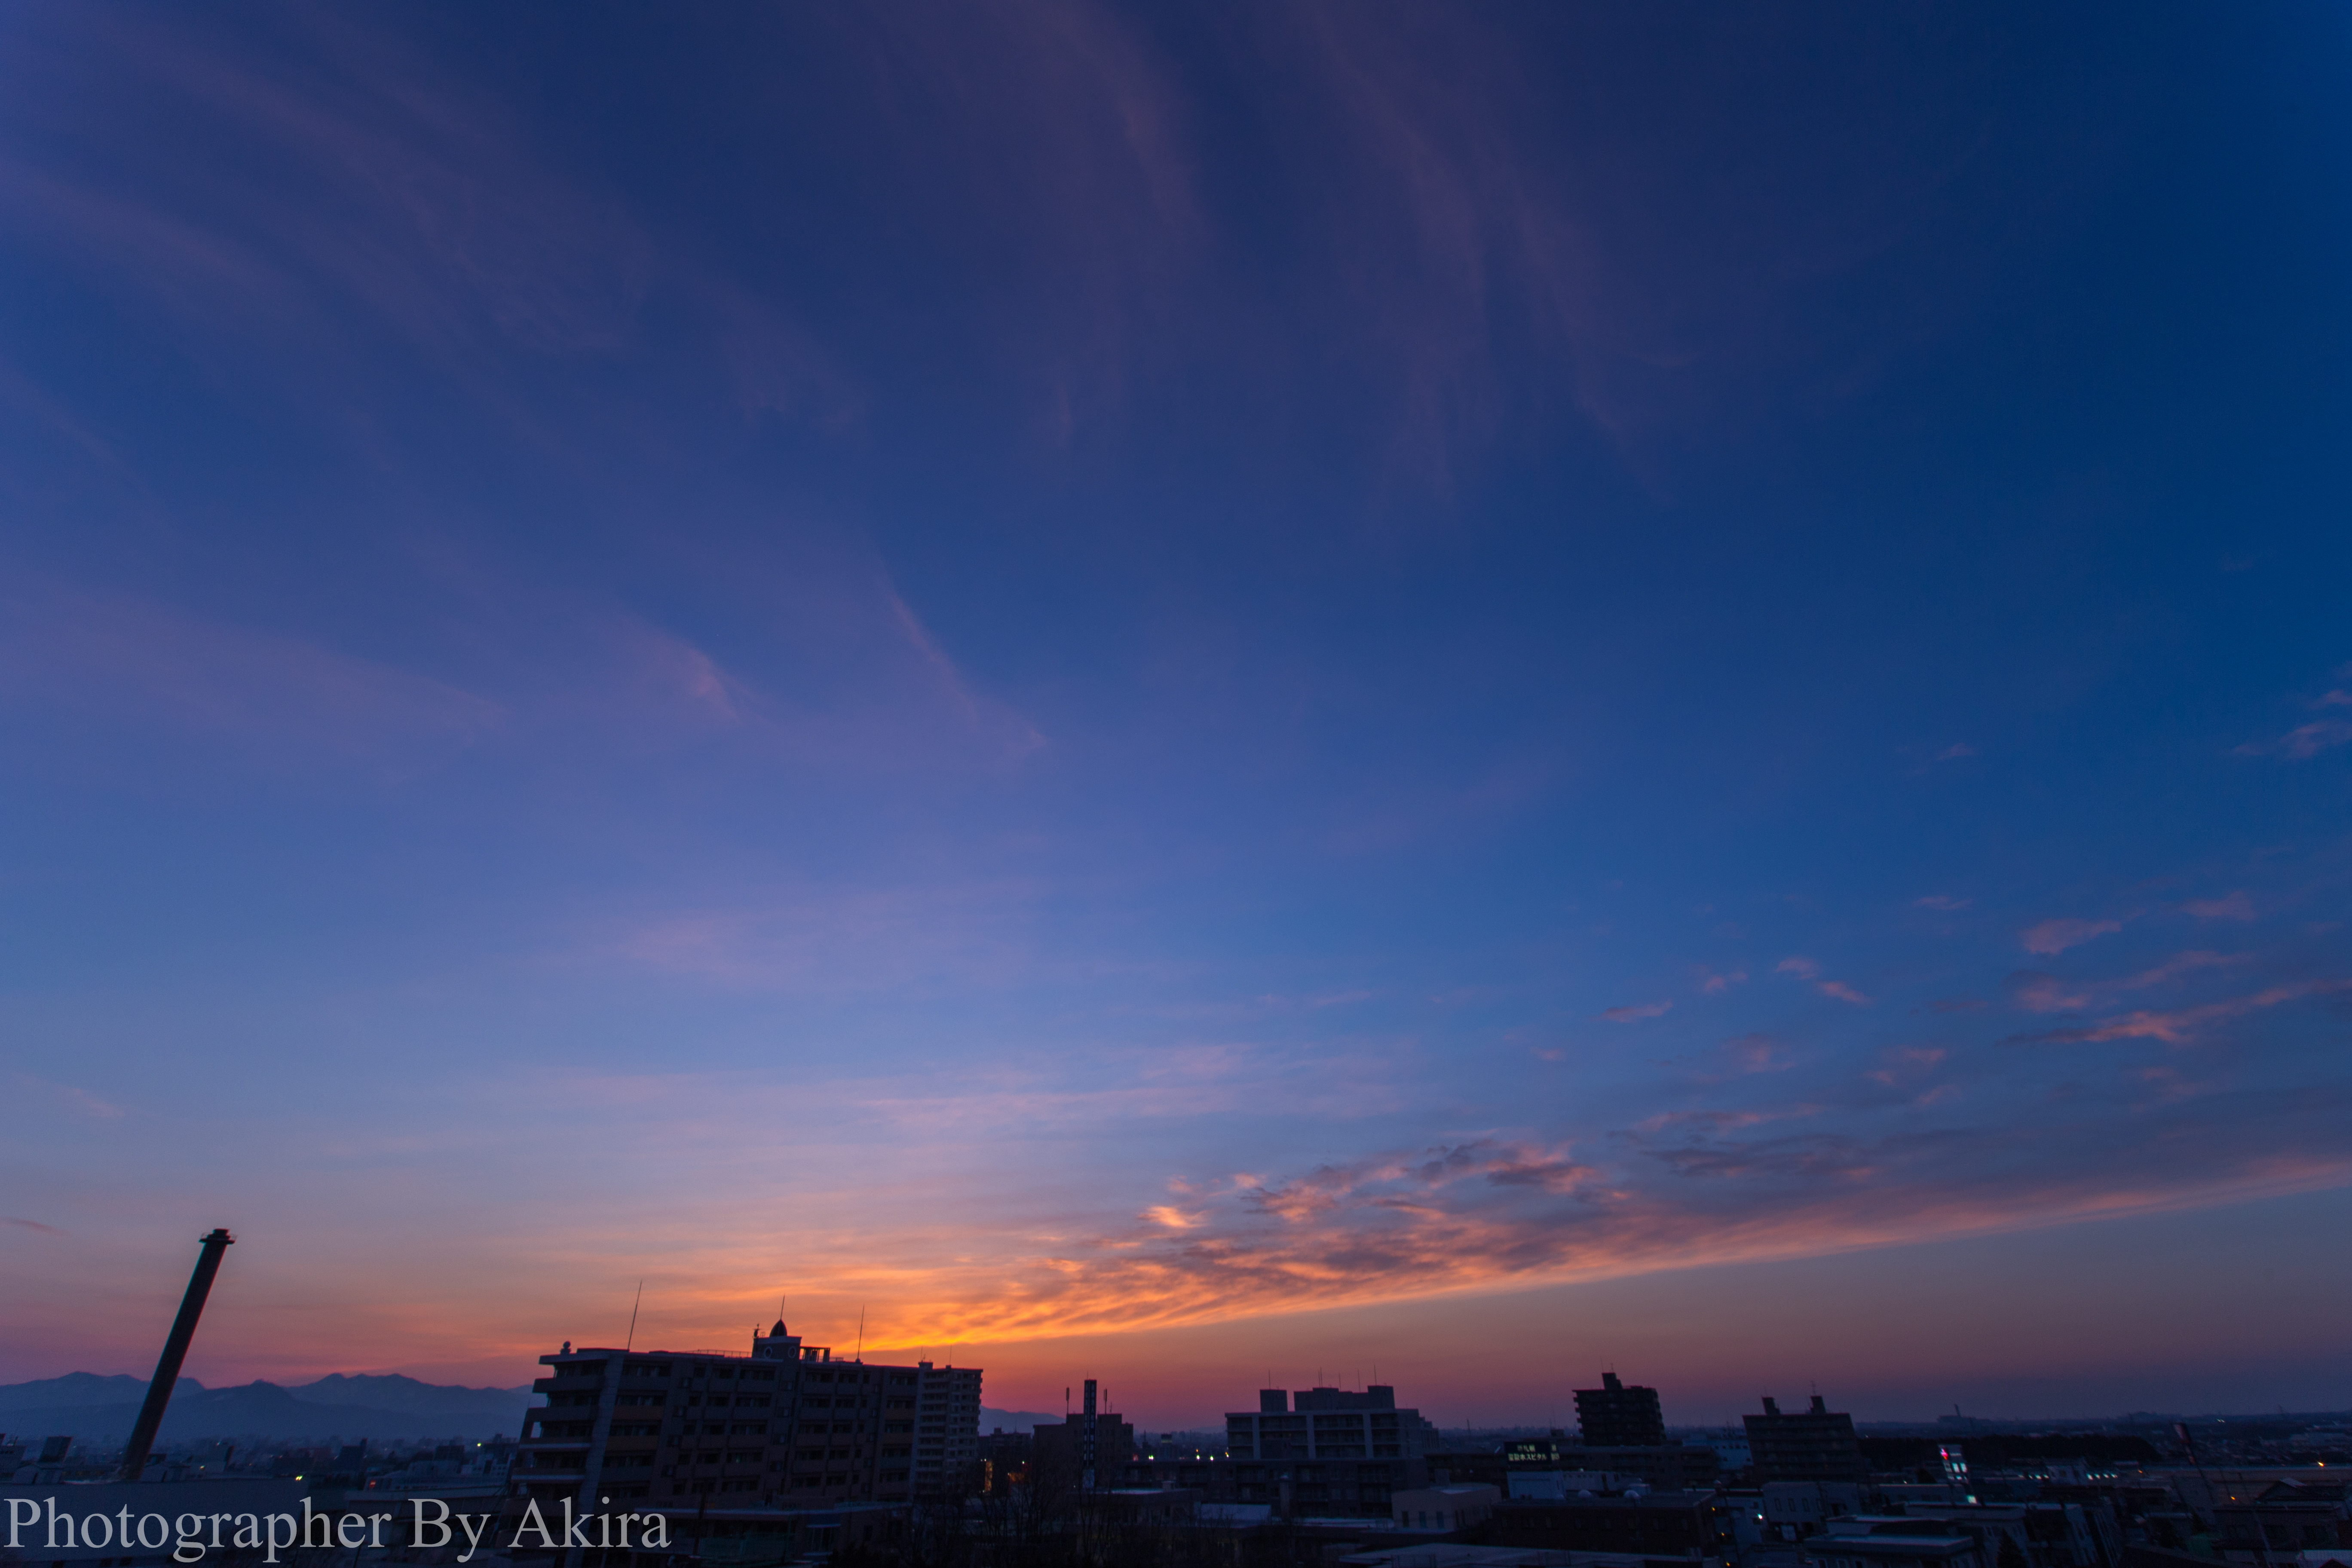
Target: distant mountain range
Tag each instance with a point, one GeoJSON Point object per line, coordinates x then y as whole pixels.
{"type": "Point", "coordinates": [91, 1408]}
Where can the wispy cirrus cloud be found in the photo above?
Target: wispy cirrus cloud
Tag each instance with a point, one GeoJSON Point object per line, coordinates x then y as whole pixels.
{"type": "Point", "coordinates": [1633, 1013]}
{"type": "Point", "coordinates": [844, 939]}
{"type": "Point", "coordinates": [133, 658]}
{"type": "Point", "coordinates": [855, 683]}
{"type": "Point", "coordinates": [80, 1099]}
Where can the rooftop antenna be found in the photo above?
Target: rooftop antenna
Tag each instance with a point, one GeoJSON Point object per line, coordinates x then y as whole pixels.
{"type": "Point", "coordinates": [627, 1345]}
{"type": "Point", "coordinates": [861, 1335]}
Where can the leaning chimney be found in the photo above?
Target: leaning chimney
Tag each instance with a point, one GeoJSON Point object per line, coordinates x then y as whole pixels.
{"type": "Point", "coordinates": [176, 1351]}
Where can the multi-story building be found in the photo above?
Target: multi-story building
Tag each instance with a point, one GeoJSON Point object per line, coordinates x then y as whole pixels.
{"type": "Point", "coordinates": [1616, 1417]}
{"type": "Point", "coordinates": [1336, 1453]}
{"type": "Point", "coordinates": [947, 1427]}
{"type": "Point", "coordinates": [786, 1426]}
{"type": "Point", "coordinates": [1817, 1445]}
{"type": "Point", "coordinates": [1089, 1449]}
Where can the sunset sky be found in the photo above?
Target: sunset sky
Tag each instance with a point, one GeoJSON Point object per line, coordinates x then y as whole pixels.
{"type": "Point", "coordinates": [1185, 694]}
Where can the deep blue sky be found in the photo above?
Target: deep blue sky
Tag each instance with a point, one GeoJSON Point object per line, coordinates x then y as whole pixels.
{"type": "Point", "coordinates": [1066, 670]}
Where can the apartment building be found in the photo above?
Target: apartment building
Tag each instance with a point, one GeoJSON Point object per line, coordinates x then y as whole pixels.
{"type": "Point", "coordinates": [1337, 1452]}
{"type": "Point", "coordinates": [1815, 1445]}
{"type": "Point", "coordinates": [788, 1426]}
{"type": "Point", "coordinates": [1616, 1416]}
{"type": "Point", "coordinates": [947, 1427]}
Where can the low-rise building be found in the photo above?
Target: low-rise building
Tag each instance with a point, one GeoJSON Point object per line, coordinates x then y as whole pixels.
{"type": "Point", "coordinates": [1796, 1509]}
{"type": "Point", "coordinates": [1924, 1548]}
{"type": "Point", "coordinates": [1696, 1527]}
{"type": "Point", "coordinates": [2284, 1518]}
{"type": "Point", "coordinates": [2006, 1535]}
{"type": "Point", "coordinates": [1442, 1508]}
{"type": "Point", "coordinates": [1556, 1486]}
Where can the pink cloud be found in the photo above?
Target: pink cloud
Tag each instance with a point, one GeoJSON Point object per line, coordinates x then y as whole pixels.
{"type": "Point", "coordinates": [2038, 992]}
{"type": "Point", "coordinates": [1756, 1053]}
{"type": "Point", "coordinates": [1635, 1012]}
{"type": "Point", "coordinates": [1489, 1216]}
{"type": "Point", "coordinates": [1716, 984]}
{"type": "Point", "coordinates": [31, 1225]}
{"type": "Point", "coordinates": [2055, 936]}
{"type": "Point", "coordinates": [1941, 901]}
{"type": "Point", "coordinates": [2196, 960]}
{"type": "Point", "coordinates": [2182, 1027]}
{"type": "Point", "coordinates": [1905, 1061]}
{"type": "Point", "coordinates": [2303, 743]}
{"type": "Point", "coordinates": [2230, 906]}
{"type": "Point", "coordinates": [1805, 969]}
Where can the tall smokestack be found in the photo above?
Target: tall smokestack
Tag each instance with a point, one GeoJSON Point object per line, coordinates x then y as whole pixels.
{"type": "Point", "coordinates": [176, 1351]}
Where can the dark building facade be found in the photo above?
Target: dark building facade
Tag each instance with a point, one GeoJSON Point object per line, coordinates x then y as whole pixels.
{"type": "Point", "coordinates": [1816, 1445]}
{"type": "Point", "coordinates": [1061, 1449]}
{"type": "Point", "coordinates": [1662, 1466]}
{"type": "Point", "coordinates": [785, 1427]}
{"type": "Point", "coordinates": [1338, 1453]}
{"type": "Point", "coordinates": [1480, 1466]}
{"type": "Point", "coordinates": [1697, 1526]}
{"type": "Point", "coordinates": [1666, 1467]}
{"type": "Point", "coordinates": [1614, 1415]}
